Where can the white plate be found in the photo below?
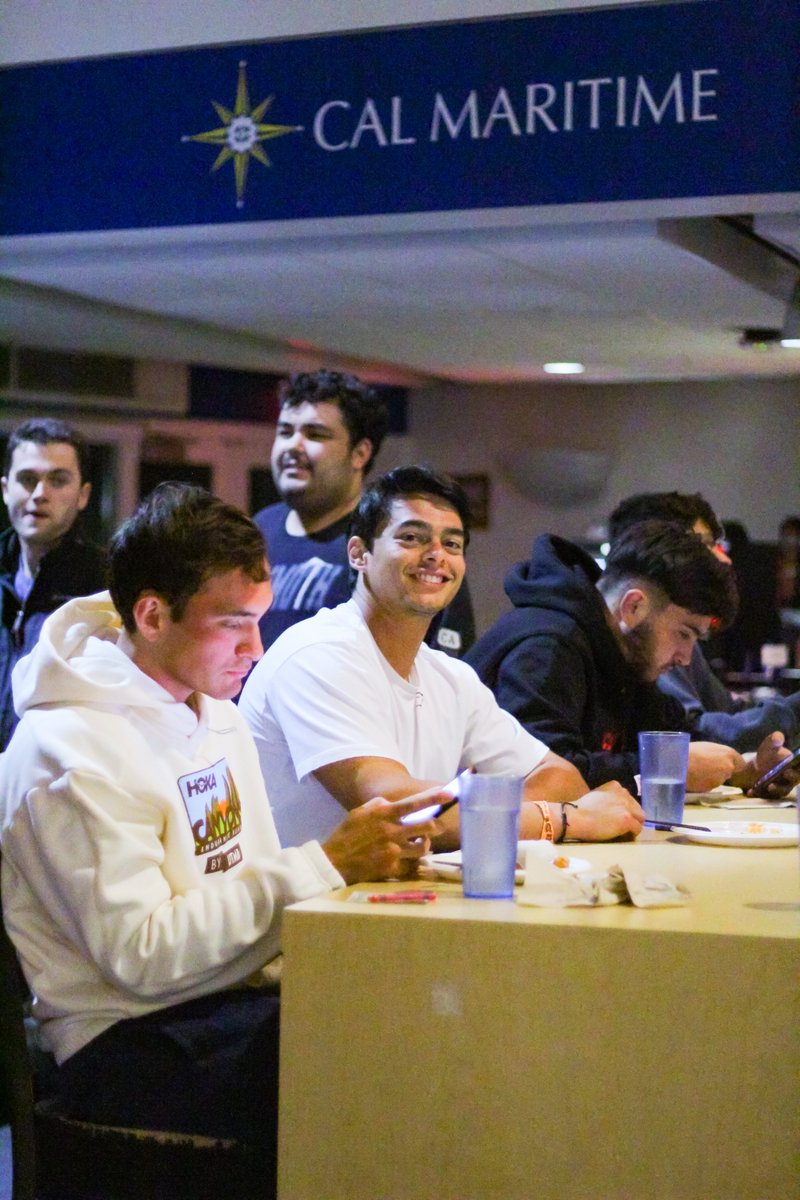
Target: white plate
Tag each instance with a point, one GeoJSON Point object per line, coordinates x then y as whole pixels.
{"type": "Point", "coordinates": [448, 866]}
{"type": "Point", "coordinates": [745, 833]}
{"type": "Point", "coordinates": [725, 791]}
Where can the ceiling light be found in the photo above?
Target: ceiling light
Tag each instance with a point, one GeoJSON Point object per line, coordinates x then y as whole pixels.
{"type": "Point", "coordinates": [564, 368]}
{"type": "Point", "coordinates": [790, 334]}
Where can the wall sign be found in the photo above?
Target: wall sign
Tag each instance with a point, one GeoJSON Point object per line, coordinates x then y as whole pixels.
{"type": "Point", "coordinates": [685, 99]}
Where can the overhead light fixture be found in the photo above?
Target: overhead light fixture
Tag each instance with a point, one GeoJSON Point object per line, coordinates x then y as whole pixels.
{"type": "Point", "coordinates": [564, 368]}
{"type": "Point", "coordinates": [790, 334]}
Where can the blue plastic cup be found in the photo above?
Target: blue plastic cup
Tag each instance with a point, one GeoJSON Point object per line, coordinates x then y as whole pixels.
{"type": "Point", "coordinates": [663, 763]}
{"type": "Point", "coordinates": [489, 815]}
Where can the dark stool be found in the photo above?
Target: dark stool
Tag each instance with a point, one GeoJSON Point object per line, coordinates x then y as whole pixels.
{"type": "Point", "coordinates": [55, 1157]}
{"type": "Point", "coordinates": [81, 1160]}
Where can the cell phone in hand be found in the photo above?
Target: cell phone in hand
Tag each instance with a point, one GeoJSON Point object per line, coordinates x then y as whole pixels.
{"type": "Point", "coordinates": [435, 810]}
{"type": "Point", "coordinates": [775, 774]}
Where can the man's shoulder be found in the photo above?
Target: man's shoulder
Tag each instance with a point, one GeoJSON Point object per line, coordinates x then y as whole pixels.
{"type": "Point", "coordinates": [457, 671]}
{"type": "Point", "coordinates": [327, 628]}
{"type": "Point", "coordinates": [516, 626]}
{"type": "Point", "coordinates": [271, 519]}
{"type": "Point", "coordinates": [9, 550]}
{"type": "Point", "coordinates": [76, 566]}
{"type": "Point", "coordinates": [272, 523]}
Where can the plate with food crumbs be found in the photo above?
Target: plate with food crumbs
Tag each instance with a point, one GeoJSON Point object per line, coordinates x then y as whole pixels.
{"type": "Point", "coordinates": [448, 866]}
{"type": "Point", "coordinates": [745, 833]}
{"type": "Point", "coordinates": [559, 856]}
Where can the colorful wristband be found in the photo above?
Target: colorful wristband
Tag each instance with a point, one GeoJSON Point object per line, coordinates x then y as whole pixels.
{"type": "Point", "coordinates": [547, 821]}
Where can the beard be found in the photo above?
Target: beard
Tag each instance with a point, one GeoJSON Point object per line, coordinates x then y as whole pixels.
{"type": "Point", "coordinates": [640, 650]}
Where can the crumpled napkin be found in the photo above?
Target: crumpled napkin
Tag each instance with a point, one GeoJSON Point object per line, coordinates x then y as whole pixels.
{"type": "Point", "coordinates": [548, 886]}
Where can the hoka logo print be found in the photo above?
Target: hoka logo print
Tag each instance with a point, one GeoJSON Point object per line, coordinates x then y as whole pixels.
{"type": "Point", "coordinates": [306, 586]}
{"type": "Point", "coordinates": [212, 804]}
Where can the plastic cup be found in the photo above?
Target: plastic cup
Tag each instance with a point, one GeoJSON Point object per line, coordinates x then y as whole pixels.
{"type": "Point", "coordinates": [663, 762]}
{"type": "Point", "coordinates": [489, 816]}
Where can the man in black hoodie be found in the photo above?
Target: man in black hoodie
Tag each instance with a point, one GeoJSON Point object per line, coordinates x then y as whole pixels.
{"type": "Point", "coordinates": [711, 710]}
{"type": "Point", "coordinates": [577, 660]}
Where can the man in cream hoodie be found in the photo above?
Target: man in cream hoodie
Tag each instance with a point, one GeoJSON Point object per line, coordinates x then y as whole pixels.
{"type": "Point", "coordinates": [143, 880]}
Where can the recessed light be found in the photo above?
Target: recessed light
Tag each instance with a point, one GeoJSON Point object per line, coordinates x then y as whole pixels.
{"type": "Point", "coordinates": [564, 368]}
{"type": "Point", "coordinates": [791, 343]}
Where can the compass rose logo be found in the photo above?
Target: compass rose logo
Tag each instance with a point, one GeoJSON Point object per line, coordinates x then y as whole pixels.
{"type": "Point", "coordinates": [241, 134]}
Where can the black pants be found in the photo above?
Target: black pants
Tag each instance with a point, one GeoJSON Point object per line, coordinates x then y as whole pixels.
{"type": "Point", "coordinates": [208, 1066]}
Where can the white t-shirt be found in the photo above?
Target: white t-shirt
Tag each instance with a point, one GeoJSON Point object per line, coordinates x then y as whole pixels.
{"type": "Point", "coordinates": [324, 692]}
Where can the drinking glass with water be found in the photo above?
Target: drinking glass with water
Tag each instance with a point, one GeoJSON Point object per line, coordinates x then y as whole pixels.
{"type": "Point", "coordinates": [663, 763]}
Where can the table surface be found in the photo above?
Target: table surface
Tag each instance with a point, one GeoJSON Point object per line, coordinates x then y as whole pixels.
{"type": "Point", "coordinates": [739, 892]}
{"type": "Point", "coordinates": [482, 1050]}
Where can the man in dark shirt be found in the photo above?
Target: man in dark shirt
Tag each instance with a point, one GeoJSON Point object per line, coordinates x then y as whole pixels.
{"type": "Point", "coordinates": [44, 560]}
{"type": "Point", "coordinates": [712, 711]}
{"type": "Point", "coordinates": [577, 660]}
{"type": "Point", "coordinates": [329, 432]}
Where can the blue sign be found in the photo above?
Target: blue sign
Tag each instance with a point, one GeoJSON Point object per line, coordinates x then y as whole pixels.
{"type": "Point", "coordinates": [687, 99]}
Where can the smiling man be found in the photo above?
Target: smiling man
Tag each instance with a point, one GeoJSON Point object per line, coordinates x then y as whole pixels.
{"type": "Point", "coordinates": [143, 880]}
{"type": "Point", "coordinates": [44, 559]}
{"type": "Point", "coordinates": [578, 658]}
{"type": "Point", "coordinates": [353, 704]}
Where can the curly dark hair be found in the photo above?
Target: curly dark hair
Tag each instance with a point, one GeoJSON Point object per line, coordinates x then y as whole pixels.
{"type": "Point", "coordinates": [675, 561]}
{"type": "Point", "coordinates": [375, 506]}
{"type": "Point", "coordinates": [363, 412]}
{"type": "Point", "coordinates": [177, 539]}
{"type": "Point", "coordinates": [683, 507]}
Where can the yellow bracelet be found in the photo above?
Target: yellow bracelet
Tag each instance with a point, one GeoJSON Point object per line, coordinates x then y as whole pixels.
{"type": "Point", "coordinates": [547, 821]}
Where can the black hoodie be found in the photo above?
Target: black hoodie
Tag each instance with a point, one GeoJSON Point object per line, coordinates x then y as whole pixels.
{"type": "Point", "coordinates": [556, 665]}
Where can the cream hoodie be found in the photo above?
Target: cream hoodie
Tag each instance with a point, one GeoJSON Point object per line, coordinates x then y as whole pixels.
{"type": "Point", "coordinates": [141, 866]}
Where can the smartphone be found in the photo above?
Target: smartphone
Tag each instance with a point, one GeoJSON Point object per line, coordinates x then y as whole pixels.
{"type": "Point", "coordinates": [774, 774]}
{"type": "Point", "coordinates": [435, 810]}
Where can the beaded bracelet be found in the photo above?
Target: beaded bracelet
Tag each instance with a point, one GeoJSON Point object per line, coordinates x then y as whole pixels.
{"type": "Point", "coordinates": [547, 821]}
{"type": "Point", "coordinates": [565, 826]}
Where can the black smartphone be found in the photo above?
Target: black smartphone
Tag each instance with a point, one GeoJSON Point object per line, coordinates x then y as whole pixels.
{"type": "Point", "coordinates": [774, 774]}
{"type": "Point", "coordinates": [435, 810]}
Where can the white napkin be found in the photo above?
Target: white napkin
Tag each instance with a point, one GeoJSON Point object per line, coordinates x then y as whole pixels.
{"type": "Point", "coordinates": [548, 886]}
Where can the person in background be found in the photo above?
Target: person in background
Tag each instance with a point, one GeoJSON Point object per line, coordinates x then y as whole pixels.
{"type": "Point", "coordinates": [143, 881]}
{"type": "Point", "coordinates": [787, 584]}
{"type": "Point", "coordinates": [711, 710]}
{"type": "Point", "coordinates": [44, 558]}
{"type": "Point", "coordinates": [578, 658]}
{"type": "Point", "coordinates": [353, 704]}
{"type": "Point", "coordinates": [329, 431]}
{"type": "Point", "coordinates": [758, 621]}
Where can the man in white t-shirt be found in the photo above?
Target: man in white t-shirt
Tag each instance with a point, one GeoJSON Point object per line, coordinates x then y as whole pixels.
{"type": "Point", "coordinates": [352, 704]}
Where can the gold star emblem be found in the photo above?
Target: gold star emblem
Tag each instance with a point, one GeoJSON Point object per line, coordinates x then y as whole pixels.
{"type": "Point", "coordinates": [241, 134]}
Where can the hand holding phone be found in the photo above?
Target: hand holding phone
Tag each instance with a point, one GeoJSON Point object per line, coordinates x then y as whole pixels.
{"type": "Point", "coordinates": [775, 775]}
{"type": "Point", "coordinates": [435, 810]}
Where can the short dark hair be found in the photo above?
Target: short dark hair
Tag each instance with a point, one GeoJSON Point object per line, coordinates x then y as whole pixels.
{"type": "Point", "coordinates": [684, 507]}
{"type": "Point", "coordinates": [374, 508]}
{"type": "Point", "coordinates": [43, 431]}
{"type": "Point", "coordinates": [363, 412]}
{"type": "Point", "coordinates": [178, 538]}
{"type": "Point", "coordinates": [675, 561]}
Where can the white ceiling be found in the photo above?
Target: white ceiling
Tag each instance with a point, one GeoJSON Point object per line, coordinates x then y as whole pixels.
{"type": "Point", "coordinates": [482, 304]}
